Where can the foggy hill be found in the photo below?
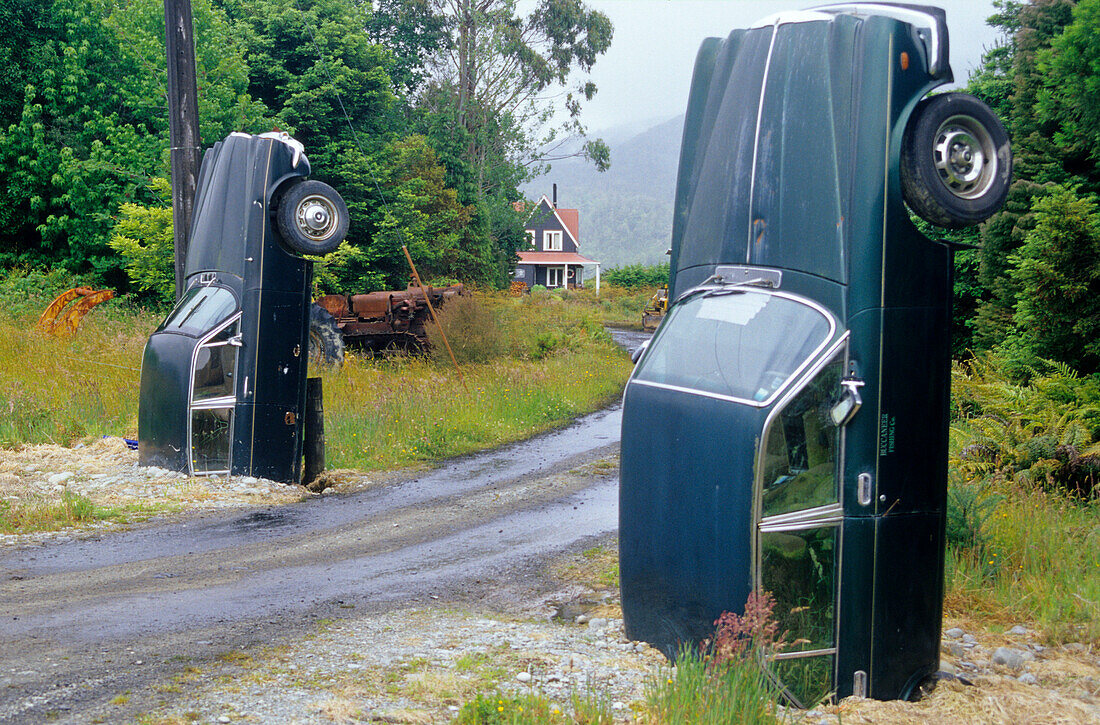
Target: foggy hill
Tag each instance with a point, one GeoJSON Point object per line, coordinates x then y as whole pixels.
{"type": "Point", "coordinates": [625, 212]}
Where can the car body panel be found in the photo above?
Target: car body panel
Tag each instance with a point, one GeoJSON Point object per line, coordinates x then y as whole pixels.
{"type": "Point", "coordinates": [789, 173]}
{"type": "Point", "coordinates": [233, 246]}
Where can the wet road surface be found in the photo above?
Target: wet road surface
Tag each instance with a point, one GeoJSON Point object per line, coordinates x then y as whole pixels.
{"type": "Point", "coordinates": [83, 620]}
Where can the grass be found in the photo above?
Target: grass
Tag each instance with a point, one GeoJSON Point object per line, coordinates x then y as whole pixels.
{"type": "Point", "coordinates": [1037, 561]}
{"type": "Point", "coordinates": [700, 691]}
{"type": "Point", "coordinates": [380, 413]}
{"type": "Point", "coordinates": [41, 513]}
{"type": "Point", "coordinates": [533, 709]}
{"type": "Point", "coordinates": [65, 389]}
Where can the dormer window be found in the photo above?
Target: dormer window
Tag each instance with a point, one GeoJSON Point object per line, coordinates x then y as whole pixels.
{"type": "Point", "coordinates": [551, 241]}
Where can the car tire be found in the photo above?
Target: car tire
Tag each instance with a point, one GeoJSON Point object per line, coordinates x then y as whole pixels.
{"type": "Point", "coordinates": [326, 344]}
{"type": "Point", "coordinates": [312, 218]}
{"type": "Point", "coordinates": [956, 161]}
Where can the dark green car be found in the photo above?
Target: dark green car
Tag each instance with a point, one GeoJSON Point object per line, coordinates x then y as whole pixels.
{"type": "Point", "coordinates": [786, 429]}
{"type": "Point", "coordinates": [223, 377]}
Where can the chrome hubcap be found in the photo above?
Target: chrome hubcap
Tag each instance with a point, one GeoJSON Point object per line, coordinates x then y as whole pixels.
{"type": "Point", "coordinates": [964, 157]}
{"type": "Point", "coordinates": [316, 218]}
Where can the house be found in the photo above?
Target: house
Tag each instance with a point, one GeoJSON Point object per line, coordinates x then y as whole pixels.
{"type": "Point", "coordinates": [553, 258]}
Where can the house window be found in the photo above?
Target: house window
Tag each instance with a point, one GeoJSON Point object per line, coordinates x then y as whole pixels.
{"type": "Point", "coordinates": [554, 275]}
{"type": "Point", "coordinates": [530, 237]}
{"type": "Point", "coordinates": [520, 273]}
{"type": "Point", "coordinates": [551, 241]}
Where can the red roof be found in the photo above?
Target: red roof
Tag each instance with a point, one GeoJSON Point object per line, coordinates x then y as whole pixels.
{"type": "Point", "coordinates": [571, 218]}
{"type": "Point", "coordinates": [553, 258]}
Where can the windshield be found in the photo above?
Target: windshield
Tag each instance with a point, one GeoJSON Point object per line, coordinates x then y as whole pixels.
{"type": "Point", "coordinates": [199, 310]}
{"type": "Point", "coordinates": [740, 344]}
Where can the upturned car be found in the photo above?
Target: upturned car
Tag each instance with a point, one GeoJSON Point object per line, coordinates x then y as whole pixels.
{"type": "Point", "coordinates": [223, 377]}
{"type": "Point", "coordinates": [786, 429]}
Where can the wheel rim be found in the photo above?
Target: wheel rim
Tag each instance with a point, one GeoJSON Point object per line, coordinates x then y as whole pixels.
{"type": "Point", "coordinates": [965, 157]}
{"type": "Point", "coordinates": [316, 217]}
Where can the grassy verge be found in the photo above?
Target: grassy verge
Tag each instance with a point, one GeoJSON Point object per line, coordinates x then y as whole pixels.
{"type": "Point", "coordinates": [1023, 542]}
{"type": "Point", "coordinates": [1033, 557]}
{"type": "Point", "coordinates": [40, 513]}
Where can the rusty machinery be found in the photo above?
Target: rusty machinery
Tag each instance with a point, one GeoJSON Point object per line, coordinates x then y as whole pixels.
{"type": "Point", "coordinates": [54, 322]}
{"type": "Point", "coordinates": [387, 319]}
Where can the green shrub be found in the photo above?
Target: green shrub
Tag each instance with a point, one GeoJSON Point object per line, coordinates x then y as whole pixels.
{"type": "Point", "coordinates": [634, 276]}
{"type": "Point", "coordinates": [1043, 434]}
{"type": "Point", "coordinates": [143, 236]}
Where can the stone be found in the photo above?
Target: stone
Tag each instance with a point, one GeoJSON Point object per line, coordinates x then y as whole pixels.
{"type": "Point", "coordinates": [524, 676]}
{"type": "Point", "coordinates": [224, 719]}
{"type": "Point", "coordinates": [59, 478]}
{"type": "Point", "coordinates": [954, 649]}
{"type": "Point", "coordinates": [581, 619]}
{"type": "Point", "coordinates": [954, 633]}
{"type": "Point", "coordinates": [597, 623]}
{"type": "Point", "coordinates": [1018, 630]}
{"type": "Point", "coordinates": [1011, 658]}
{"type": "Point", "coordinates": [1027, 679]}
{"type": "Point", "coordinates": [969, 639]}
{"type": "Point", "coordinates": [947, 667]}
{"type": "Point", "coordinates": [1075, 647]}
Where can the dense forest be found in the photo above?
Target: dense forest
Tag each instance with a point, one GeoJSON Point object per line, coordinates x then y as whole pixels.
{"type": "Point", "coordinates": [1031, 288]}
{"type": "Point", "coordinates": [427, 115]}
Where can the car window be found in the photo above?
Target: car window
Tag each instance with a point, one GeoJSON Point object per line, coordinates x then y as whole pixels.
{"type": "Point", "coordinates": [200, 309]}
{"type": "Point", "coordinates": [800, 448]}
{"type": "Point", "coordinates": [741, 344]}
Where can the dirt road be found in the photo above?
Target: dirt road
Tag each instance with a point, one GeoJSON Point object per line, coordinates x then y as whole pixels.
{"type": "Point", "coordinates": [82, 621]}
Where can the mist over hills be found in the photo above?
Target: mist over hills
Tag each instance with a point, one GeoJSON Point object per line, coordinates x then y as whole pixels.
{"type": "Point", "coordinates": [625, 212]}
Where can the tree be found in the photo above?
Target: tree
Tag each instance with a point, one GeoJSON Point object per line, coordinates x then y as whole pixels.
{"type": "Point", "coordinates": [1058, 273]}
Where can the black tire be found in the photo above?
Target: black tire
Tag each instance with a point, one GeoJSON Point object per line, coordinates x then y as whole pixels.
{"type": "Point", "coordinates": [326, 344]}
{"type": "Point", "coordinates": [956, 162]}
{"type": "Point", "coordinates": [312, 218]}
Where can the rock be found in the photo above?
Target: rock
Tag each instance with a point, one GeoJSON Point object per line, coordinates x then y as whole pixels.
{"type": "Point", "coordinates": [618, 705]}
{"type": "Point", "coordinates": [947, 667]}
{"type": "Point", "coordinates": [969, 639]}
{"type": "Point", "coordinates": [1027, 679]}
{"type": "Point", "coordinates": [1075, 647]}
{"type": "Point", "coordinates": [1018, 630]}
{"type": "Point", "coordinates": [224, 719]}
{"type": "Point", "coordinates": [58, 478]}
{"type": "Point", "coordinates": [954, 633]}
{"type": "Point", "coordinates": [597, 623]}
{"type": "Point", "coordinates": [581, 619]}
{"type": "Point", "coordinates": [953, 648]}
{"type": "Point", "coordinates": [1011, 658]}
{"type": "Point", "coordinates": [524, 676]}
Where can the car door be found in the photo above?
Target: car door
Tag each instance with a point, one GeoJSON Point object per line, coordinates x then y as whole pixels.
{"type": "Point", "coordinates": [798, 524]}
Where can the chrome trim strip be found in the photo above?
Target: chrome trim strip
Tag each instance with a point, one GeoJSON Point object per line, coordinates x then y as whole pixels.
{"type": "Point", "coordinates": [756, 139]}
{"type": "Point", "coordinates": [801, 655]}
{"type": "Point", "coordinates": [788, 17]}
{"type": "Point", "coordinates": [830, 514]}
{"type": "Point", "coordinates": [226, 401]}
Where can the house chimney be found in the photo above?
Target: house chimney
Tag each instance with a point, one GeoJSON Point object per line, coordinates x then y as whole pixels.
{"type": "Point", "coordinates": [555, 196]}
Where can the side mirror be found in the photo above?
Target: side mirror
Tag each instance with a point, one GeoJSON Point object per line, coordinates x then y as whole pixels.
{"type": "Point", "coordinates": [849, 404]}
{"type": "Point", "coordinates": [639, 351]}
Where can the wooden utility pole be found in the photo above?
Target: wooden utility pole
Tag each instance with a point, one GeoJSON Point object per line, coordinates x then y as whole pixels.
{"type": "Point", "coordinates": [183, 124]}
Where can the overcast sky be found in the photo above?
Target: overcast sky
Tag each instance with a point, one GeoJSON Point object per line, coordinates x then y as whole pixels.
{"type": "Point", "coordinates": [644, 77]}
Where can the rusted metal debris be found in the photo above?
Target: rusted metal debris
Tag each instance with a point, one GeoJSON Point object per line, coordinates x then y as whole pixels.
{"type": "Point", "coordinates": [52, 320]}
{"type": "Point", "coordinates": [389, 318]}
